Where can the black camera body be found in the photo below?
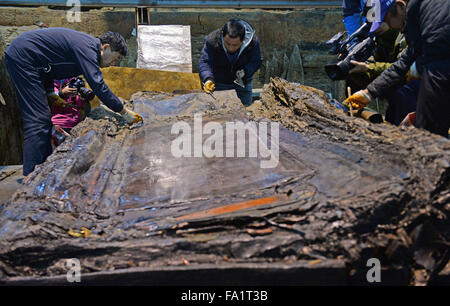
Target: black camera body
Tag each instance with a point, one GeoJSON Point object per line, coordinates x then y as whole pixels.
{"type": "Point", "coordinates": [358, 47]}
{"type": "Point", "coordinates": [80, 85]}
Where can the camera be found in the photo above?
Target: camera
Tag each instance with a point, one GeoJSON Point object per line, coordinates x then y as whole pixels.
{"type": "Point", "coordinates": [80, 85]}
{"type": "Point", "coordinates": [358, 47]}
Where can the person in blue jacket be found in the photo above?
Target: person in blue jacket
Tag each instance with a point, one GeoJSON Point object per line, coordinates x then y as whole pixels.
{"type": "Point", "coordinates": [353, 14]}
{"type": "Point", "coordinates": [230, 55]}
{"type": "Point", "coordinates": [36, 58]}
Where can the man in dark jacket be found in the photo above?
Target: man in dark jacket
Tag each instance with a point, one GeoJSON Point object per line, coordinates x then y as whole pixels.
{"type": "Point", "coordinates": [35, 58]}
{"type": "Point", "coordinates": [426, 24]}
{"type": "Point", "coordinates": [230, 57]}
{"type": "Point", "coordinates": [401, 98]}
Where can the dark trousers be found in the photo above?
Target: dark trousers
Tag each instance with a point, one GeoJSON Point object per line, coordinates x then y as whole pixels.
{"type": "Point", "coordinates": [402, 101]}
{"type": "Point", "coordinates": [36, 115]}
{"type": "Point", "coordinates": [433, 103]}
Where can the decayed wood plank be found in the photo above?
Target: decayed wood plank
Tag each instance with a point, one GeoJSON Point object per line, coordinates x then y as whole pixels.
{"type": "Point", "coordinates": [343, 188]}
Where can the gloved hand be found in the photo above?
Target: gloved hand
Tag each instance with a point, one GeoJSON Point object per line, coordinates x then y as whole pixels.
{"type": "Point", "coordinates": [131, 117]}
{"type": "Point", "coordinates": [359, 99]}
{"type": "Point", "coordinates": [54, 99]}
{"type": "Point", "coordinates": [209, 86]}
{"type": "Point", "coordinates": [412, 74]}
{"type": "Point", "coordinates": [240, 74]}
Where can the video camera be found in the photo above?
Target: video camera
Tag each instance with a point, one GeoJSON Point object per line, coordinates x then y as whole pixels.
{"type": "Point", "coordinates": [358, 47]}
{"type": "Point", "coordinates": [80, 85]}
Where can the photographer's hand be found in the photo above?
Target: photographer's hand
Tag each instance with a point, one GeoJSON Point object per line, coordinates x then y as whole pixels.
{"type": "Point", "coordinates": [68, 92]}
{"type": "Point", "coordinates": [359, 67]}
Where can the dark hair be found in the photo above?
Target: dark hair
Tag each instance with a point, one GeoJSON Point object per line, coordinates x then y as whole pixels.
{"type": "Point", "coordinates": [116, 41]}
{"type": "Point", "coordinates": [392, 10]}
{"type": "Point", "coordinates": [234, 29]}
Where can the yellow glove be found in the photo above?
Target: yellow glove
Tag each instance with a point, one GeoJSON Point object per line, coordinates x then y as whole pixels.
{"type": "Point", "coordinates": [132, 117]}
{"type": "Point", "coordinates": [54, 100]}
{"type": "Point", "coordinates": [359, 99]}
{"type": "Point", "coordinates": [209, 86]}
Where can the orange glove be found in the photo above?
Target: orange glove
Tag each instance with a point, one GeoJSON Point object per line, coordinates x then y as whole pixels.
{"type": "Point", "coordinates": [359, 99]}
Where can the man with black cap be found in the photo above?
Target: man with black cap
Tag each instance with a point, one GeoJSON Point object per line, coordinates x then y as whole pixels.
{"type": "Point", "coordinates": [426, 25]}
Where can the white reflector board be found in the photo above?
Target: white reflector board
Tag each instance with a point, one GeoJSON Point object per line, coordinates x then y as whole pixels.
{"type": "Point", "coordinates": [164, 47]}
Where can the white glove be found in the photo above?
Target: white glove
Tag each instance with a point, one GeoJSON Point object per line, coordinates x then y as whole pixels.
{"type": "Point", "coordinates": [132, 117]}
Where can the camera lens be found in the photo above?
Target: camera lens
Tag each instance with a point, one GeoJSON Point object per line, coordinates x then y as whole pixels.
{"type": "Point", "coordinates": [86, 93]}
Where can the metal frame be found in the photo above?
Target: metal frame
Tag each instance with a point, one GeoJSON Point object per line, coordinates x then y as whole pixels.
{"type": "Point", "coordinates": [180, 3]}
{"type": "Point", "coordinates": [142, 16]}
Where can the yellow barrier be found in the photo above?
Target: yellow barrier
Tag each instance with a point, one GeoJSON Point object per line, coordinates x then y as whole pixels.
{"type": "Point", "coordinates": [125, 81]}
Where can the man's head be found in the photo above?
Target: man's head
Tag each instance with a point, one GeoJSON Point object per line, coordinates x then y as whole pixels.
{"type": "Point", "coordinates": [387, 13]}
{"type": "Point", "coordinates": [113, 48]}
{"type": "Point", "coordinates": [233, 33]}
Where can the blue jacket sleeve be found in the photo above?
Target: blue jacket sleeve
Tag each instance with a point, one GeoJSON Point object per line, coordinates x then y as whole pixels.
{"type": "Point", "coordinates": [87, 58]}
{"type": "Point", "coordinates": [255, 62]}
{"type": "Point", "coordinates": [351, 7]}
{"type": "Point", "coordinates": [351, 11]}
{"type": "Point", "coordinates": [352, 23]}
{"type": "Point", "coordinates": [205, 63]}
